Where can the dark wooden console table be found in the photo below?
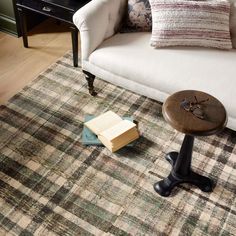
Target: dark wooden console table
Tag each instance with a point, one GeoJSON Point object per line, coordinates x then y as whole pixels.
{"type": "Point", "coordinates": [62, 10]}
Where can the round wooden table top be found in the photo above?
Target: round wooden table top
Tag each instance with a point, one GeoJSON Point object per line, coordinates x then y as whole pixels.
{"type": "Point", "coordinates": [214, 114]}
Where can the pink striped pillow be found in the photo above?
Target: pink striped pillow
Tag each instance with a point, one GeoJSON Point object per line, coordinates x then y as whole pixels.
{"type": "Point", "coordinates": [190, 23]}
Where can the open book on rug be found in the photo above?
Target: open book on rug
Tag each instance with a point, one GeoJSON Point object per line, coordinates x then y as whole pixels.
{"type": "Point", "coordinates": [113, 131]}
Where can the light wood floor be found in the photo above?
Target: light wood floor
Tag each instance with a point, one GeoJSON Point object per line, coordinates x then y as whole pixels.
{"type": "Point", "coordinates": [19, 65]}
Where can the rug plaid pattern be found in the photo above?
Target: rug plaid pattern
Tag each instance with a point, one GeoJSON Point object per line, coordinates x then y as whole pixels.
{"type": "Point", "coordinates": [52, 185]}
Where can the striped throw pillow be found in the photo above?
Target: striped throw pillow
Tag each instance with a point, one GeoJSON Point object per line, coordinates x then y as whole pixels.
{"type": "Point", "coordinates": [190, 23]}
{"type": "Point", "coordinates": [232, 22]}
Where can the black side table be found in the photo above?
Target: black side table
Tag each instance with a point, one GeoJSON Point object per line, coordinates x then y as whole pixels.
{"type": "Point", "coordinates": [62, 10]}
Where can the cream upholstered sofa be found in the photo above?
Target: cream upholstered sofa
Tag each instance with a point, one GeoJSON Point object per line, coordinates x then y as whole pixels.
{"type": "Point", "coordinates": [127, 60]}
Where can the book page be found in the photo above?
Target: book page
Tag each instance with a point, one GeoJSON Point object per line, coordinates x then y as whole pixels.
{"type": "Point", "coordinates": [120, 141]}
{"type": "Point", "coordinates": [123, 142]}
{"type": "Point", "coordinates": [117, 129]}
{"type": "Point", "coordinates": [103, 122]}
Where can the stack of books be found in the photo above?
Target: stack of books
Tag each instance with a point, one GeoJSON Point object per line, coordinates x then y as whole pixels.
{"type": "Point", "coordinates": [110, 130]}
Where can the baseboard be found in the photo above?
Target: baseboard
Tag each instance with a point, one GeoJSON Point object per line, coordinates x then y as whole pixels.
{"type": "Point", "coordinates": [8, 25]}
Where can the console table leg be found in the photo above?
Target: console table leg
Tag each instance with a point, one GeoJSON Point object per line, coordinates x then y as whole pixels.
{"type": "Point", "coordinates": [74, 37]}
{"type": "Point", "coordinates": [23, 26]}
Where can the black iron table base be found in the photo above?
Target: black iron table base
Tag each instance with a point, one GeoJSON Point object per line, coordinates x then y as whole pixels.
{"type": "Point", "coordinates": [181, 171]}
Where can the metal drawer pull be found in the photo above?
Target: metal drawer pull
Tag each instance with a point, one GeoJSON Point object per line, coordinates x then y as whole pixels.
{"type": "Point", "coordinates": [47, 9]}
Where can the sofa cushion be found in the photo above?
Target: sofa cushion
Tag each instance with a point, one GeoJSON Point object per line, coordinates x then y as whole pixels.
{"type": "Point", "coordinates": [168, 69]}
{"type": "Point", "coordinates": [138, 17]}
{"type": "Point", "coordinates": [194, 23]}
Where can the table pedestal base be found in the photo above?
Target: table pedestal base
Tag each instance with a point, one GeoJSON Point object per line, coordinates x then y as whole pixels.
{"type": "Point", "coordinates": [181, 171]}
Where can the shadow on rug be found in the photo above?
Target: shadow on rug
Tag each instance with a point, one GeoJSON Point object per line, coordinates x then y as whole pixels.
{"type": "Point", "coordinates": [52, 185]}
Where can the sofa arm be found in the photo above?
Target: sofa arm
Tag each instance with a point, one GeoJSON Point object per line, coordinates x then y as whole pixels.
{"type": "Point", "coordinates": [96, 21]}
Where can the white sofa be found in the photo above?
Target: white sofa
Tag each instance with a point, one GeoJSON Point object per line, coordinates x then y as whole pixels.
{"type": "Point", "coordinates": [129, 61]}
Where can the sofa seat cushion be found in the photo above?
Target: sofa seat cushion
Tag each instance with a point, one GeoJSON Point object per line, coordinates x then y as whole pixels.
{"type": "Point", "coordinates": [172, 69]}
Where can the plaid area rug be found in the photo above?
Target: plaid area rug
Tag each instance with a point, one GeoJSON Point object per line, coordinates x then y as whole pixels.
{"type": "Point", "coordinates": [50, 184]}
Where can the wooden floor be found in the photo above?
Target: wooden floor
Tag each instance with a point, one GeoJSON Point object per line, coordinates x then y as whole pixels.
{"type": "Point", "coordinates": [18, 65]}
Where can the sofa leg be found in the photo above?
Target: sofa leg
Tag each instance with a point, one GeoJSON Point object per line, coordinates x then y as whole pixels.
{"type": "Point", "coordinates": [90, 79]}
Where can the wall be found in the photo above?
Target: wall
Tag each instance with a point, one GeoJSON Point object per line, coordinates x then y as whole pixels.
{"type": "Point", "coordinates": [7, 17]}
{"type": "Point", "coordinates": [9, 20]}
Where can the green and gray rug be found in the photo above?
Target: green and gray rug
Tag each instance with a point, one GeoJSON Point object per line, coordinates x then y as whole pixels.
{"type": "Point", "coordinates": [52, 185]}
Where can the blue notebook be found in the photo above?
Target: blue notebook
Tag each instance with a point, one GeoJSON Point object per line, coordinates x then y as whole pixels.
{"type": "Point", "coordinates": [89, 138]}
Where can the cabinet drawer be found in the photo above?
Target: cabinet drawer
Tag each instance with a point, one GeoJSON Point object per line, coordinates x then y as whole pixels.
{"type": "Point", "coordinates": [48, 9]}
